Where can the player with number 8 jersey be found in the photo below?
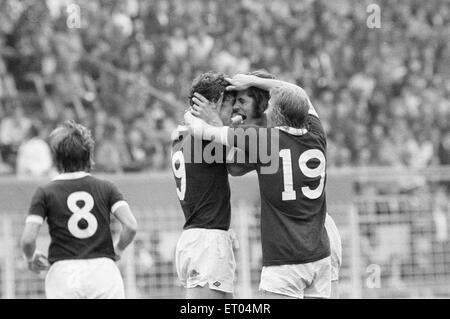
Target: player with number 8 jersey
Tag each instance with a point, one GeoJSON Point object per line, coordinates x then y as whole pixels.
{"type": "Point", "coordinates": [77, 207]}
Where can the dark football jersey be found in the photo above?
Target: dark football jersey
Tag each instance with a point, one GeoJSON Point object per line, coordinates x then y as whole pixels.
{"type": "Point", "coordinates": [202, 187]}
{"type": "Point", "coordinates": [77, 207]}
{"type": "Point", "coordinates": [293, 202]}
{"type": "Point", "coordinates": [238, 159]}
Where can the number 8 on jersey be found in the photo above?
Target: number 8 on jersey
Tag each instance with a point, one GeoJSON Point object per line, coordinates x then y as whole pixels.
{"type": "Point", "coordinates": [81, 213]}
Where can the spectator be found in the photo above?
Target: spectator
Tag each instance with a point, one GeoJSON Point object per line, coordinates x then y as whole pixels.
{"type": "Point", "coordinates": [444, 149]}
{"type": "Point", "coordinates": [381, 89]}
{"type": "Point", "coordinates": [13, 130]}
{"type": "Point", "coordinates": [139, 159]}
{"type": "Point", "coordinates": [4, 168]}
{"type": "Point", "coordinates": [34, 157]}
{"type": "Point", "coordinates": [111, 153]}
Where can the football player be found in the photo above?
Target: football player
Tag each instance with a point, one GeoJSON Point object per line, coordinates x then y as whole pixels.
{"type": "Point", "coordinates": [296, 248]}
{"type": "Point", "coordinates": [254, 101]}
{"type": "Point", "coordinates": [204, 258]}
{"type": "Point", "coordinates": [77, 208]}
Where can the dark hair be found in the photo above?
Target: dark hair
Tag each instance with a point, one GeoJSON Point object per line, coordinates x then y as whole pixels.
{"type": "Point", "coordinates": [211, 85]}
{"type": "Point", "coordinates": [72, 147]}
{"type": "Point", "coordinates": [259, 96]}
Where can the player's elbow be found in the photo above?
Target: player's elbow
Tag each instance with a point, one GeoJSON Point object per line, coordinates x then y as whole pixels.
{"type": "Point", "coordinates": [27, 242]}
{"type": "Point", "coordinates": [131, 227]}
{"type": "Point", "coordinates": [127, 219]}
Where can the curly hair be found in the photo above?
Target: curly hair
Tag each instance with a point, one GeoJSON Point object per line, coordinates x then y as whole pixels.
{"type": "Point", "coordinates": [72, 147]}
{"type": "Point", "coordinates": [260, 97]}
{"type": "Point", "coordinates": [211, 85]}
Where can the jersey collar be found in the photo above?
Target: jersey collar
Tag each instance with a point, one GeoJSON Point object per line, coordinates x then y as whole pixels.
{"type": "Point", "coordinates": [292, 130]}
{"type": "Point", "coordinates": [69, 176]}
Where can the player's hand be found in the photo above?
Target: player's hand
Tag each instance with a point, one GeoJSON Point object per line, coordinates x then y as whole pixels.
{"type": "Point", "coordinates": [38, 262]}
{"type": "Point", "coordinates": [240, 82]}
{"type": "Point", "coordinates": [234, 239]}
{"type": "Point", "coordinates": [118, 253]}
{"type": "Point", "coordinates": [205, 110]}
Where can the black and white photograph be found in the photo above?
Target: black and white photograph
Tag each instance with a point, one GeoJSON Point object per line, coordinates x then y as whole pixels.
{"type": "Point", "coordinates": [224, 153]}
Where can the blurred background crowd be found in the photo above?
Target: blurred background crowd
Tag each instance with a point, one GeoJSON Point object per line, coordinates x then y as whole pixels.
{"type": "Point", "coordinates": [124, 68]}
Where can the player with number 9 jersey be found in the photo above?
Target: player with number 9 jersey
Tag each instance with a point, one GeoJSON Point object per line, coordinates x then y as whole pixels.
{"type": "Point", "coordinates": [78, 208]}
{"type": "Point", "coordinates": [204, 256]}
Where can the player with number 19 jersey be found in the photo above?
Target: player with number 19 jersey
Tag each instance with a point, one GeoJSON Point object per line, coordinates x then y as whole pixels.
{"type": "Point", "coordinates": [293, 202]}
{"type": "Point", "coordinates": [77, 207]}
{"type": "Point", "coordinates": [297, 209]}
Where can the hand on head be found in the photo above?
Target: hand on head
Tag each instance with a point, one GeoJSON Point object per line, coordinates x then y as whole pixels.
{"type": "Point", "coordinates": [206, 110]}
{"type": "Point", "coordinates": [240, 82]}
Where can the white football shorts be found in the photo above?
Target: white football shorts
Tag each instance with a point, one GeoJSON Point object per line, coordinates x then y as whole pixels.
{"type": "Point", "coordinates": [298, 280]}
{"type": "Point", "coordinates": [96, 278]}
{"type": "Point", "coordinates": [335, 247]}
{"type": "Point", "coordinates": [205, 256]}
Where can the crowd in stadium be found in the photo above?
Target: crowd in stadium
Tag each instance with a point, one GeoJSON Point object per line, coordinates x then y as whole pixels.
{"type": "Point", "coordinates": [382, 93]}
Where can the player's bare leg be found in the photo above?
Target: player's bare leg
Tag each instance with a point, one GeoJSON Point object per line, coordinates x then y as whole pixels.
{"type": "Point", "coordinates": [206, 293]}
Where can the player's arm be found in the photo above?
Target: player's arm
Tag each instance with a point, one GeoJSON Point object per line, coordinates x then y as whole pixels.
{"type": "Point", "coordinates": [243, 81]}
{"type": "Point", "coordinates": [36, 260]}
{"type": "Point", "coordinates": [208, 111]}
{"type": "Point", "coordinates": [246, 139]}
{"type": "Point", "coordinates": [121, 210]}
{"type": "Point", "coordinates": [223, 135]}
{"type": "Point", "coordinates": [28, 239]}
{"type": "Point", "coordinates": [201, 130]}
{"type": "Point", "coordinates": [129, 228]}
{"type": "Point", "coordinates": [258, 146]}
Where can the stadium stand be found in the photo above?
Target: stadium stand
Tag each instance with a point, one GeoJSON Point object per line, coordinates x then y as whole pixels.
{"type": "Point", "coordinates": [382, 93]}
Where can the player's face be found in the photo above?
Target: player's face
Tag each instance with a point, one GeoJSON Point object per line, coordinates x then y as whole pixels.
{"type": "Point", "coordinates": [269, 114]}
{"type": "Point", "coordinates": [227, 109]}
{"type": "Point", "coordinates": [245, 103]}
